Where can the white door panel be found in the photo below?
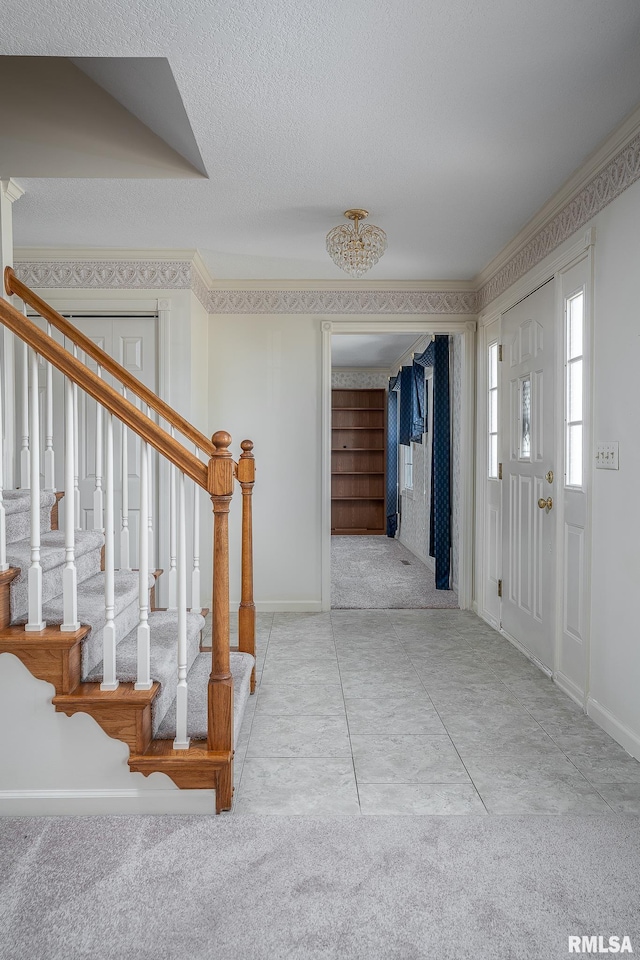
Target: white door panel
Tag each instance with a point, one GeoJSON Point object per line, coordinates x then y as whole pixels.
{"type": "Point", "coordinates": [528, 418]}
{"type": "Point", "coordinates": [133, 342]}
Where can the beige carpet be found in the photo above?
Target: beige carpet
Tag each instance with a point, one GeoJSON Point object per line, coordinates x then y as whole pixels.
{"type": "Point", "coordinates": [379, 573]}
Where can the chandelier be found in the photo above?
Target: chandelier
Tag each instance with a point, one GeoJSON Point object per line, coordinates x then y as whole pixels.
{"type": "Point", "coordinates": [353, 248]}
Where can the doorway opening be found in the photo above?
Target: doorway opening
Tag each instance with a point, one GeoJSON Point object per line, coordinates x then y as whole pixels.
{"type": "Point", "coordinates": [387, 476]}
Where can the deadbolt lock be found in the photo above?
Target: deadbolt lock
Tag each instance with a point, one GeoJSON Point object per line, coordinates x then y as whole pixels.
{"type": "Point", "coordinates": [549, 477]}
{"type": "Point", "coordinates": [545, 504]}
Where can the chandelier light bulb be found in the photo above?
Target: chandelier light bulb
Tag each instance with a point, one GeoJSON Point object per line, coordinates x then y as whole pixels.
{"type": "Point", "coordinates": [355, 248]}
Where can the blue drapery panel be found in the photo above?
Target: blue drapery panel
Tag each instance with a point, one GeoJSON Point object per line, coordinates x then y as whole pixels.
{"type": "Point", "coordinates": [392, 458]}
{"type": "Point", "coordinates": [426, 359]}
{"type": "Point", "coordinates": [406, 405]}
{"type": "Point", "coordinates": [418, 404]}
{"type": "Point", "coordinates": [440, 520]}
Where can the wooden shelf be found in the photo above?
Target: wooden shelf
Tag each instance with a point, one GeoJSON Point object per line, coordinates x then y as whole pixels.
{"type": "Point", "coordinates": [357, 500]}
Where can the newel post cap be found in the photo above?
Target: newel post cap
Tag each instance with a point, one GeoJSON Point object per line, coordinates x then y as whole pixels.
{"type": "Point", "coordinates": [221, 441]}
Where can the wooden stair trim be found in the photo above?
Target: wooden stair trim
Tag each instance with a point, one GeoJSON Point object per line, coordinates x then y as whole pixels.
{"type": "Point", "coordinates": [124, 714]}
{"type": "Point", "coordinates": [6, 579]}
{"type": "Point", "coordinates": [194, 769]}
{"type": "Point", "coordinates": [59, 494]}
{"type": "Point", "coordinates": [49, 655]}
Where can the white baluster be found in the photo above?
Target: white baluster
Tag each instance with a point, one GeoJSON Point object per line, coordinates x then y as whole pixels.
{"type": "Point", "coordinates": [173, 573]}
{"type": "Point", "coordinates": [143, 633]}
{"type": "Point", "coordinates": [125, 560]}
{"type": "Point", "coordinates": [70, 622]}
{"type": "Point", "coordinates": [76, 453]}
{"type": "Point", "coordinates": [109, 678]}
{"type": "Point", "coordinates": [196, 606]}
{"type": "Point", "coordinates": [25, 458]}
{"type": "Point", "coordinates": [181, 741]}
{"type": "Point", "coordinates": [34, 581]}
{"type": "Point", "coordinates": [98, 493]}
{"type": "Point", "coordinates": [49, 455]}
{"type": "Point", "coordinates": [152, 565]}
{"type": "Point", "coordinates": [3, 519]}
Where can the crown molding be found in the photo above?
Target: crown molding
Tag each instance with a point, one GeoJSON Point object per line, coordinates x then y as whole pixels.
{"type": "Point", "coordinates": [12, 190]}
{"type": "Point", "coordinates": [341, 302]}
{"type": "Point", "coordinates": [608, 171]}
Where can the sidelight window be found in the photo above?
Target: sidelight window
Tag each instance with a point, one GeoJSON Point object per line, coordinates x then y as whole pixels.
{"type": "Point", "coordinates": [492, 411]}
{"type": "Point", "coordinates": [574, 395]}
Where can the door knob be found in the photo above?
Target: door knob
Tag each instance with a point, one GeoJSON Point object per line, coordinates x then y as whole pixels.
{"type": "Point", "coordinates": [545, 504]}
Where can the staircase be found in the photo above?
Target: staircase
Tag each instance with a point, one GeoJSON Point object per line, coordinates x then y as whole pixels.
{"type": "Point", "coordinates": [93, 631]}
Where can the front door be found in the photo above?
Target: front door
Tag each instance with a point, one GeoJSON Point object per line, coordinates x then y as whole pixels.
{"type": "Point", "coordinates": [528, 438]}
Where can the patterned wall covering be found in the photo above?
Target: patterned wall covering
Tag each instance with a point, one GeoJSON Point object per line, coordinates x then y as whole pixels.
{"type": "Point", "coordinates": [414, 527]}
{"type": "Point", "coordinates": [356, 380]}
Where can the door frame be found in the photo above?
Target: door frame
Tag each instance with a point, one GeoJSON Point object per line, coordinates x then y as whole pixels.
{"type": "Point", "coordinates": [416, 326]}
{"type": "Point", "coordinates": [551, 268]}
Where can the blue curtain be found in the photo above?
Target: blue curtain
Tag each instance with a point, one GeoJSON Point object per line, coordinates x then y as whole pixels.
{"type": "Point", "coordinates": [392, 458]}
{"type": "Point", "coordinates": [419, 410]}
{"type": "Point", "coordinates": [406, 405]}
{"type": "Point", "coordinates": [440, 519]}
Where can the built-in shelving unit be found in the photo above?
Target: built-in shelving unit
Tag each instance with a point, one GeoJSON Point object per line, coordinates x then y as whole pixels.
{"type": "Point", "coordinates": [358, 461]}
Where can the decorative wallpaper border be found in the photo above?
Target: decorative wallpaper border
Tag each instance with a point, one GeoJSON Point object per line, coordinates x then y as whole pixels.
{"type": "Point", "coordinates": [342, 301]}
{"type": "Point", "coordinates": [619, 174]}
{"type": "Point", "coordinates": [107, 274]}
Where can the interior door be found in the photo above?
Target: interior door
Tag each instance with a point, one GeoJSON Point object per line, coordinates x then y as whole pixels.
{"type": "Point", "coordinates": [528, 444]}
{"type": "Point", "coordinates": [133, 342]}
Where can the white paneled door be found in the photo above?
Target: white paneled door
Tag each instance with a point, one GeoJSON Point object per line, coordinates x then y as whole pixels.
{"type": "Point", "coordinates": [528, 408]}
{"type": "Point", "coordinates": [132, 340]}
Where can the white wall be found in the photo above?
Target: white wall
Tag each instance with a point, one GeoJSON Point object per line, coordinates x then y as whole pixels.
{"type": "Point", "coordinates": [265, 385]}
{"type": "Point", "coordinates": [614, 562]}
{"type": "Point", "coordinates": [615, 567]}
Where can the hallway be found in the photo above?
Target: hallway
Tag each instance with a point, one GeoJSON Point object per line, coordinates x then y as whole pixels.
{"type": "Point", "coordinates": [416, 712]}
{"type": "Point", "coordinates": [380, 573]}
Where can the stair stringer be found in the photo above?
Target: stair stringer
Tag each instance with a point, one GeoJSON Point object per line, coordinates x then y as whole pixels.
{"type": "Point", "coordinates": [52, 764]}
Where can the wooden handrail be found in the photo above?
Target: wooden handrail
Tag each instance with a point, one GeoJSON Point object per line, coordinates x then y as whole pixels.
{"type": "Point", "coordinates": [14, 286]}
{"type": "Point", "coordinates": [104, 394]}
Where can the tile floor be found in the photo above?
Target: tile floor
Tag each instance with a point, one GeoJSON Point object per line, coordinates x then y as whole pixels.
{"type": "Point", "coordinates": [416, 712]}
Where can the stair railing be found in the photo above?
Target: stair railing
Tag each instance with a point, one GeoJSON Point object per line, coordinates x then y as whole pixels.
{"type": "Point", "coordinates": [216, 477]}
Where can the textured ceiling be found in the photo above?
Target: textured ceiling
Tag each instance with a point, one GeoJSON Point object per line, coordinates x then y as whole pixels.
{"type": "Point", "coordinates": [375, 350]}
{"type": "Point", "coordinates": [452, 121]}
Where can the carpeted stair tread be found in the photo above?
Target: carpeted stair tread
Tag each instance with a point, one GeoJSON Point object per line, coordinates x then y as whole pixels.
{"type": "Point", "coordinates": [88, 550]}
{"type": "Point", "coordinates": [51, 550]}
{"type": "Point", "coordinates": [198, 680]}
{"type": "Point", "coordinates": [163, 626]}
{"type": "Point", "coordinates": [17, 507]}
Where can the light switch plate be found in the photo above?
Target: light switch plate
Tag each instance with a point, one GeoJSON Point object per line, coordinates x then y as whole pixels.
{"type": "Point", "coordinates": [607, 455]}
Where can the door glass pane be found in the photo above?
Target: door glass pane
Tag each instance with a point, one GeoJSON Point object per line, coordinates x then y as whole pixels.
{"type": "Point", "coordinates": [493, 412]}
{"type": "Point", "coordinates": [493, 366]}
{"type": "Point", "coordinates": [493, 455]}
{"type": "Point", "coordinates": [525, 419]}
{"type": "Point", "coordinates": [574, 455]}
{"type": "Point", "coordinates": [574, 345]}
{"type": "Point", "coordinates": [574, 391]}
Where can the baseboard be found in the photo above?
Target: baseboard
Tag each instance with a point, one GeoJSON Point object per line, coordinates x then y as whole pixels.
{"type": "Point", "coordinates": [486, 617]}
{"type": "Point", "coordinates": [523, 650]}
{"type": "Point", "coordinates": [570, 688]}
{"type": "Point", "coordinates": [288, 606]}
{"type": "Point", "coordinates": [47, 803]}
{"type": "Point", "coordinates": [621, 733]}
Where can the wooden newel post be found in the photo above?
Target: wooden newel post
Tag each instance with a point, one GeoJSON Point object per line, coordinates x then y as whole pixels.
{"type": "Point", "coordinates": [247, 611]}
{"type": "Point", "coordinates": [220, 692]}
